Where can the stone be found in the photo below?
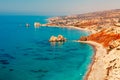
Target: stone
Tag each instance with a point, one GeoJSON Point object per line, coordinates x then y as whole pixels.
{"type": "Point", "coordinates": [53, 39]}
{"type": "Point", "coordinates": [37, 24]}
{"type": "Point", "coordinates": [60, 38]}
{"type": "Point", "coordinates": [83, 38]}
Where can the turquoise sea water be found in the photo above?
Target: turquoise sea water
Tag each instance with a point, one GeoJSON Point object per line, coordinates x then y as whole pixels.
{"type": "Point", "coordinates": [26, 54]}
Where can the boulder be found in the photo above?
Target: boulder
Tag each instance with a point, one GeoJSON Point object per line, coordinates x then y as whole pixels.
{"type": "Point", "coordinates": [27, 25]}
{"type": "Point", "coordinates": [115, 43]}
{"type": "Point", "coordinates": [60, 38]}
{"type": "Point", "coordinates": [83, 38]}
{"type": "Point", "coordinates": [53, 39]}
{"type": "Point", "coordinates": [37, 24]}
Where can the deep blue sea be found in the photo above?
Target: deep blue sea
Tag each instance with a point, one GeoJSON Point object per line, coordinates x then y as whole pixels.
{"type": "Point", "coordinates": [26, 53]}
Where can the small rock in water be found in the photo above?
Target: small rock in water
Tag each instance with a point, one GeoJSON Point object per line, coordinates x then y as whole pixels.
{"type": "Point", "coordinates": [7, 56]}
{"type": "Point", "coordinates": [11, 69]}
{"type": "Point", "coordinates": [4, 62]}
{"type": "Point", "coordinates": [3, 67]}
{"type": "Point", "coordinates": [27, 25]}
{"type": "Point", "coordinates": [2, 50]}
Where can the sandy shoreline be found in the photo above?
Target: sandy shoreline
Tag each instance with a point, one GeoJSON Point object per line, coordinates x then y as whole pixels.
{"type": "Point", "coordinates": [94, 70]}
{"type": "Point", "coordinates": [105, 65]}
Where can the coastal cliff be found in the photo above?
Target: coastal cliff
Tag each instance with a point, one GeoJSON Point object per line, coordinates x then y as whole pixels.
{"type": "Point", "coordinates": [106, 39]}
{"type": "Point", "coordinates": [109, 38]}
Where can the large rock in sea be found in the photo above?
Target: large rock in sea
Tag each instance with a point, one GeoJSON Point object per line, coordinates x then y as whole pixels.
{"type": "Point", "coordinates": [53, 39]}
{"type": "Point", "coordinates": [60, 38]}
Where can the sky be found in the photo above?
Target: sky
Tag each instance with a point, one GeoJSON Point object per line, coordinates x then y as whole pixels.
{"type": "Point", "coordinates": [56, 7]}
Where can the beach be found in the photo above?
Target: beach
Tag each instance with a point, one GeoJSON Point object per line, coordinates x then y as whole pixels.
{"type": "Point", "coordinates": [105, 65]}
{"type": "Point", "coordinates": [95, 68]}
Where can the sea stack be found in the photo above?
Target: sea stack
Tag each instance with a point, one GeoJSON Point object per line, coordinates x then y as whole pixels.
{"type": "Point", "coordinates": [53, 39]}
{"type": "Point", "coordinates": [60, 38]}
{"type": "Point", "coordinates": [37, 24]}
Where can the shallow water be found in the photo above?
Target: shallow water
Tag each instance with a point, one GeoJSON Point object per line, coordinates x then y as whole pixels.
{"type": "Point", "coordinates": [26, 54]}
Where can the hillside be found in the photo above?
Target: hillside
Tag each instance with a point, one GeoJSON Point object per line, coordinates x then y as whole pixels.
{"type": "Point", "coordinates": [94, 20]}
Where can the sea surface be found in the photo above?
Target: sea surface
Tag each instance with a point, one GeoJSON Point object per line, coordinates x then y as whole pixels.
{"type": "Point", "coordinates": [26, 53]}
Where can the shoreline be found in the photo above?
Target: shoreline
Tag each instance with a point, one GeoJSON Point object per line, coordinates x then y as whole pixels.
{"type": "Point", "coordinates": [97, 50]}
{"type": "Point", "coordinates": [73, 27]}
{"type": "Point", "coordinates": [104, 65]}
{"type": "Point", "coordinates": [92, 61]}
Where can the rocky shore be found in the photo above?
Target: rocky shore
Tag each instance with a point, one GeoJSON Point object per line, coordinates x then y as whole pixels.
{"type": "Point", "coordinates": [105, 37]}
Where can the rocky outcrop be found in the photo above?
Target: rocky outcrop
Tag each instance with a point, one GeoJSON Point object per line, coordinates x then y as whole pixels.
{"type": "Point", "coordinates": [37, 24]}
{"type": "Point", "coordinates": [117, 24]}
{"type": "Point", "coordinates": [53, 39]}
{"type": "Point", "coordinates": [60, 38]}
{"type": "Point", "coordinates": [108, 38]}
{"type": "Point", "coordinates": [83, 38]}
{"type": "Point", "coordinates": [114, 44]}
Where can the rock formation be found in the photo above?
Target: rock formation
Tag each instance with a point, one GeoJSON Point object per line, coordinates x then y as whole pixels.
{"type": "Point", "coordinates": [37, 24]}
{"type": "Point", "coordinates": [83, 38]}
{"type": "Point", "coordinates": [60, 38]}
{"type": "Point", "coordinates": [114, 43]}
{"type": "Point", "coordinates": [53, 39]}
{"type": "Point", "coordinates": [108, 38]}
{"type": "Point", "coordinates": [27, 25]}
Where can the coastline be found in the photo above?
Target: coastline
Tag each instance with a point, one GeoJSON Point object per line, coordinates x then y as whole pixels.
{"type": "Point", "coordinates": [105, 65]}
{"type": "Point", "coordinates": [99, 51]}
{"type": "Point", "coordinates": [73, 27]}
{"type": "Point", "coordinates": [93, 44]}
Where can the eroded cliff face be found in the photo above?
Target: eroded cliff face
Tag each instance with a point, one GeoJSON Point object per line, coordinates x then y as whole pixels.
{"type": "Point", "coordinates": [109, 38]}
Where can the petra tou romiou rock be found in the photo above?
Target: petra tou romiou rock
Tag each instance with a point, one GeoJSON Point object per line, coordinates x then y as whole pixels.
{"type": "Point", "coordinates": [60, 38]}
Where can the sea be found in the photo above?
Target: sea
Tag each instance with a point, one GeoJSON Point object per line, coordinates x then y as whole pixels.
{"type": "Point", "coordinates": [27, 54]}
